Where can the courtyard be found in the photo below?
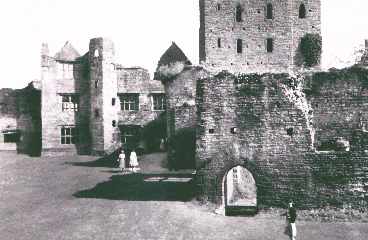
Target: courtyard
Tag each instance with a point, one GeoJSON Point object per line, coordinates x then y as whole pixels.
{"type": "Point", "coordinates": [83, 197]}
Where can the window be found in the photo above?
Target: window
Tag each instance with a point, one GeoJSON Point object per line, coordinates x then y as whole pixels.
{"type": "Point", "coordinates": [302, 11]}
{"type": "Point", "coordinates": [97, 113]}
{"type": "Point", "coordinates": [11, 137]}
{"type": "Point", "coordinates": [129, 101]}
{"type": "Point", "coordinates": [269, 11]}
{"type": "Point", "coordinates": [113, 101]}
{"type": "Point", "coordinates": [218, 7]}
{"type": "Point", "coordinates": [114, 123]}
{"type": "Point", "coordinates": [239, 45]}
{"type": "Point", "coordinates": [96, 84]}
{"type": "Point", "coordinates": [219, 42]}
{"type": "Point", "coordinates": [69, 135]}
{"type": "Point", "coordinates": [159, 102]}
{"type": "Point", "coordinates": [70, 102]}
{"type": "Point", "coordinates": [269, 45]}
{"type": "Point", "coordinates": [238, 13]}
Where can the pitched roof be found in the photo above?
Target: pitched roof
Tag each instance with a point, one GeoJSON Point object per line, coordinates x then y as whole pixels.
{"type": "Point", "coordinates": [173, 54]}
{"type": "Point", "coordinates": [67, 53]}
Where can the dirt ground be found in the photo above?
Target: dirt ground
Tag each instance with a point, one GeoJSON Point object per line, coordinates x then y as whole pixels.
{"type": "Point", "coordinates": [87, 198]}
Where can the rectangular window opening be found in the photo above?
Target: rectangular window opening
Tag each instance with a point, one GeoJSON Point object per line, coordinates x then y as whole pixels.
{"type": "Point", "coordinates": [239, 46]}
{"type": "Point", "coordinates": [69, 135]}
{"type": "Point", "coordinates": [269, 45]}
{"type": "Point", "coordinates": [159, 102]}
{"type": "Point", "coordinates": [70, 102]}
{"type": "Point", "coordinates": [129, 101]}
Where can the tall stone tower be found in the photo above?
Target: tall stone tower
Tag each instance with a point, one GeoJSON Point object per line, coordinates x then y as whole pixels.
{"type": "Point", "coordinates": [255, 35]}
{"type": "Point", "coordinates": [103, 89]}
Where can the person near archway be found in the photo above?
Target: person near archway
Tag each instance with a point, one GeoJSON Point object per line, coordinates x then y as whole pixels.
{"type": "Point", "coordinates": [291, 215]}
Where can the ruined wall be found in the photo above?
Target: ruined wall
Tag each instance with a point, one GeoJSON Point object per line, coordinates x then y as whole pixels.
{"type": "Point", "coordinates": [137, 80]}
{"type": "Point", "coordinates": [253, 124]}
{"type": "Point", "coordinates": [274, 137]}
{"type": "Point", "coordinates": [181, 92]}
{"type": "Point", "coordinates": [8, 112]}
{"type": "Point", "coordinates": [340, 104]}
{"type": "Point", "coordinates": [59, 78]}
{"type": "Point", "coordinates": [218, 21]}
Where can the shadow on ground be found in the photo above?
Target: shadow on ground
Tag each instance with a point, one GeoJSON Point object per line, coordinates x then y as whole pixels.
{"type": "Point", "coordinates": [109, 161]}
{"type": "Point", "coordinates": [143, 187]}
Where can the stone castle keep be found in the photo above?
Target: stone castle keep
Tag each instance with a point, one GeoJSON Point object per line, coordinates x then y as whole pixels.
{"type": "Point", "coordinates": [268, 126]}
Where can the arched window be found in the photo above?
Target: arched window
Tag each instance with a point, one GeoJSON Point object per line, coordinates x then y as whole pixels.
{"type": "Point", "coordinates": [302, 11]}
{"type": "Point", "coordinates": [238, 13]}
{"type": "Point", "coordinates": [269, 11]}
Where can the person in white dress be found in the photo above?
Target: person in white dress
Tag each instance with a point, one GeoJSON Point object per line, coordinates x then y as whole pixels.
{"type": "Point", "coordinates": [121, 160]}
{"type": "Point", "coordinates": [134, 161]}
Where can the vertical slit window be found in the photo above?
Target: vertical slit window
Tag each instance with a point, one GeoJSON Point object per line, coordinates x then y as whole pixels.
{"type": "Point", "coordinates": [269, 45]}
{"type": "Point", "coordinates": [219, 42]}
{"type": "Point", "coordinates": [239, 45]}
{"type": "Point", "coordinates": [269, 11]}
{"type": "Point", "coordinates": [238, 13]}
{"type": "Point", "coordinates": [302, 11]}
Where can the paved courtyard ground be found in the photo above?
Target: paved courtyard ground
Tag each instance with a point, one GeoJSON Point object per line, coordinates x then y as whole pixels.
{"type": "Point", "coordinates": [86, 198]}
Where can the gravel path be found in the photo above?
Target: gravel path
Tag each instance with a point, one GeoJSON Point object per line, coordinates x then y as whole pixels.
{"type": "Point", "coordinates": [85, 198]}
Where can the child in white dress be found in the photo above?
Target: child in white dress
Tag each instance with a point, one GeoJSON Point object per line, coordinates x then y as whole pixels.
{"type": "Point", "coordinates": [121, 160]}
{"type": "Point", "coordinates": [133, 161]}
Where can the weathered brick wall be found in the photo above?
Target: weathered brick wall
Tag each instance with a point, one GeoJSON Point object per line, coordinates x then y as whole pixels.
{"type": "Point", "coordinates": [285, 28]}
{"type": "Point", "coordinates": [282, 160]}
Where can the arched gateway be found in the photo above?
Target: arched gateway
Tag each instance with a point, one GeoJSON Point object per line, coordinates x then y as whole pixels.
{"type": "Point", "coordinates": [239, 191]}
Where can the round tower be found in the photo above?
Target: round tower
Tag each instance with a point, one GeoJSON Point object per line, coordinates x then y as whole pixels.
{"type": "Point", "coordinates": [103, 88]}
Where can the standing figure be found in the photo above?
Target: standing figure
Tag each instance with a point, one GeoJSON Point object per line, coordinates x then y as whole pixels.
{"type": "Point", "coordinates": [133, 161]}
{"type": "Point", "coordinates": [291, 217]}
{"type": "Point", "coordinates": [121, 160]}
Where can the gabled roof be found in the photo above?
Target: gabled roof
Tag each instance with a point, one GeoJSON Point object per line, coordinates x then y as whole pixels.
{"type": "Point", "coordinates": [173, 54]}
{"type": "Point", "coordinates": [67, 53]}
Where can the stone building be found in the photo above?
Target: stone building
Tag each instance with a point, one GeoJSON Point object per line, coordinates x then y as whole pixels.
{"type": "Point", "coordinates": [255, 36]}
{"type": "Point", "coordinates": [90, 103]}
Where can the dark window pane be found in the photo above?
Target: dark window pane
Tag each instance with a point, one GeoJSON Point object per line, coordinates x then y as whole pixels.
{"type": "Point", "coordinates": [238, 13]}
{"type": "Point", "coordinates": [239, 46]}
{"type": "Point", "coordinates": [302, 11]}
{"type": "Point", "coordinates": [269, 11]}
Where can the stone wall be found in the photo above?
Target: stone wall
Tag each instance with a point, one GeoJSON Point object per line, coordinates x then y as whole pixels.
{"type": "Point", "coordinates": [218, 21]}
{"type": "Point", "coordinates": [340, 104]}
{"type": "Point", "coordinates": [8, 113]}
{"type": "Point", "coordinates": [58, 78]}
{"type": "Point", "coordinates": [252, 121]}
{"type": "Point", "coordinates": [137, 80]}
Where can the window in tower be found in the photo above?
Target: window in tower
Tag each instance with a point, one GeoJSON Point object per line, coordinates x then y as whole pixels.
{"type": "Point", "coordinates": [239, 45]}
{"type": "Point", "coordinates": [269, 11]}
{"type": "Point", "coordinates": [218, 7]}
{"type": "Point", "coordinates": [238, 13]}
{"type": "Point", "coordinates": [219, 42]}
{"type": "Point", "coordinates": [269, 45]}
{"type": "Point", "coordinates": [302, 11]}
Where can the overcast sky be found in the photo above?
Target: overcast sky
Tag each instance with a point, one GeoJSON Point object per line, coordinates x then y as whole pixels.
{"type": "Point", "coordinates": [142, 30]}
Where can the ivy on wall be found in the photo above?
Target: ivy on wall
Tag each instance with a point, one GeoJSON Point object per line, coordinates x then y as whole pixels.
{"type": "Point", "coordinates": [311, 49]}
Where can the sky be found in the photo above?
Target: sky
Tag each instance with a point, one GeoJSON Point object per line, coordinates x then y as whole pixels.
{"type": "Point", "coordinates": [141, 30]}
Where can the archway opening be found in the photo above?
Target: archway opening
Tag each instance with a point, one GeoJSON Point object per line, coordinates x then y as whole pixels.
{"type": "Point", "coordinates": [239, 192]}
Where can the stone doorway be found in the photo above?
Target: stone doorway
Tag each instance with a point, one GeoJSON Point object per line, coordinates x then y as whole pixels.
{"type": "Point", "coordinates": [239, 192]}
